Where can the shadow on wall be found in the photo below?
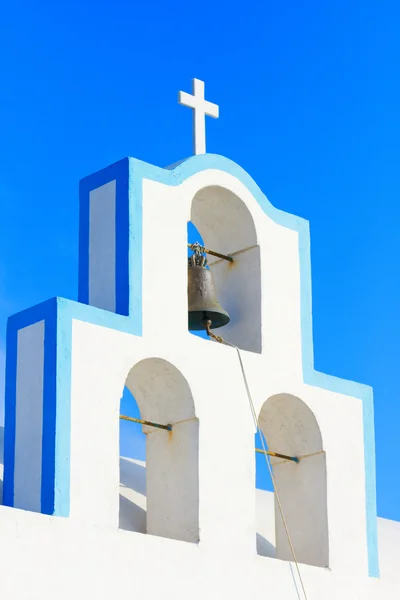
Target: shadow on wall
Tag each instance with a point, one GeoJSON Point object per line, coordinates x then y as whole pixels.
{"type": "Point", "coordinates": [131, 516]}
{"type": "Point", "coordinates": [264, 547]}
{"type": "Point", "coordinates": [132, 495]}
{"type": "Point", "coordinates": [133, 475]}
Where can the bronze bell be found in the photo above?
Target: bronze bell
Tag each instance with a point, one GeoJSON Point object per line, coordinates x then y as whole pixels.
{"type": "Point", "coordinates": [202, 302]}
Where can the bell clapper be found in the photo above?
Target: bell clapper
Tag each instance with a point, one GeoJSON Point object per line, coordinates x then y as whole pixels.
{"type": "Point", "coordinates": [207, 326]}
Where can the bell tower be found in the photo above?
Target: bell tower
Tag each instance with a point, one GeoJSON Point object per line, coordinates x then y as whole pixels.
{"type": "Point", "coordinates": [68, 363]}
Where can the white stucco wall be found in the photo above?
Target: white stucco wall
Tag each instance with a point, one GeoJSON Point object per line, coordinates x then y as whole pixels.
{"type": "Point", "coordinates": [77, 561]}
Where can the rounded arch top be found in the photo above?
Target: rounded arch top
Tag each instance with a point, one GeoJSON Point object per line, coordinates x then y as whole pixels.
{"type": "Point", "coordinates": [290, 426]}
{"type": "Point", "coordinates": [186, 168]}
{"type": "Point", "coordinates": [224, 219]}
{"type": "Point", "coordinates": [161, 391]}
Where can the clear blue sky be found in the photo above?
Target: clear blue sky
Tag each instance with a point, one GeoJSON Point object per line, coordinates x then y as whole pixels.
{"type": "Point", "coordinates": [309, 96]}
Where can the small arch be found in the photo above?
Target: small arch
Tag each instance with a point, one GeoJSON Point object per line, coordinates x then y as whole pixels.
{"type": "Point", "coordinates": [290, 428]}
{"type": "Point", "coordinates": [170, 480]}
{"type": "Point", "coordinates": [227, 226]}
{"type": "Point", "coordinates": [132, 467]}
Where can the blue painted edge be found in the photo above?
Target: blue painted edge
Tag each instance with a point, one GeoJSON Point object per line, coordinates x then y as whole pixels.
{"type": "Point", "coordinates": [123, 224]}
{"type": "Point", "coordinates": [41, 312]}
{"type": "Point", "coordinates": [10, 414]}
{"type": "Point", "coordinates": [62, 453]}
{"type": "Point", "coordinates": [83, 252]}
{"type": "Point", "coordinates": [139, 171]}
{"type": "Point", "coordinates": [49, 313]}
{"type": "Point", "coordinates": [126, 226]}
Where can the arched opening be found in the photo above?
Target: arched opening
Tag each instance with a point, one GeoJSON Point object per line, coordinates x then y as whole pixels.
{"type": "Point", "coordinates": [226, 226]}
{"type": "Point", "coordinates": [290, 428]}
{"type": "Point", "coordinates": [265, 537]}
{"type": "Point", "coordinates": [132, 467]}
{"type": "Point", "coordinates": [160, 495]}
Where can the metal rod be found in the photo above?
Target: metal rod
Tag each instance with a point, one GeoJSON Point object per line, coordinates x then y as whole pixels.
{"type": "Point", "coordinates": [169, 428]}
{"type": "Point", "coordinates": [149, 423]}
{"type": "Point", "coordinates": [212, 252]}
{"type": "Point", "coordinates": [292, 458]}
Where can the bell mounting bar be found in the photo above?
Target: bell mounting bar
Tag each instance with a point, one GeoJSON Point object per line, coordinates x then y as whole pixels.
{"type": "Point", "coordinates": [169, 428]}
{"type": "Point", "coordinates": [149, 423]}
{"type": "Point", "coordinates": [277, 455]}
{"type": "Point", "coordinates": [200, 249]}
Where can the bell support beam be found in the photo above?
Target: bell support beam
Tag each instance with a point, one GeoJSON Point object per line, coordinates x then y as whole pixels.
{"type": "Point", "coordinates": [148, 423]}
{"type": "Point", "coordinates": [169, 428]}
{"type": "Point", "coordinates": [277, 455]}
{"type": "Point", "coordinates": [196, 247]}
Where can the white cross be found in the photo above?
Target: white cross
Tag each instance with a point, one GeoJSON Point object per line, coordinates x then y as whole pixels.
{"type": "Point", "coordinates": [201, 108]}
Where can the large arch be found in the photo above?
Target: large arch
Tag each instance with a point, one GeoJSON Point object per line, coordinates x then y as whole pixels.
{"type": "Point", "coordinates": [171, 479]}
{"type": "Point", "coordinates": [290, 427]}
{"type": "Point", "coordinates": [227, 226]}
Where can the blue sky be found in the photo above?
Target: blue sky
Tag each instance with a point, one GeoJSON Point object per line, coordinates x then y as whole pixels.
{"type": "Point", "coordinates": [309, 96]}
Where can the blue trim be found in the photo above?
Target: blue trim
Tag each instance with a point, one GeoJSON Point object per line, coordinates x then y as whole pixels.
{"type": "Point", "coordinates": [10, 415]}
{"type": "Point", "coordinates": [128, 227]}
{"type": "Point", "coordinates": [175, 175]}
{"type": "Point", "coordinates": [130, 281]}
{"type": "Point", "coordinates": [135, 244]}
{"type": "Point", "coordinates": [62, 449]}
{"type": "Point", "coordinates": [41, 312]}
{"type": "Point", "coordinates": [83, 253]}
{"type": "Point", "coordinates": [122, 222]}
{"type": "Point", "coordinates": [49, 407]}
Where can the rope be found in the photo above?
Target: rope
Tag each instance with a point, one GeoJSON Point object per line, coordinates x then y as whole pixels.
{"type": "Point", "coordinates": [255, 419]}
{"type": "Point", "coordinates": [254, 414]}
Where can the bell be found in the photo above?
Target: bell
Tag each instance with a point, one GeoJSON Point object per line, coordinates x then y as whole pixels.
{"type": "Point", "coordinates": [202, 302]}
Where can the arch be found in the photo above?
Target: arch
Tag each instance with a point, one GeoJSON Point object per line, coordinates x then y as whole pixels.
{"type": "Point", "coordinates": [171, 479]}
{"type": "Point", "coordinates": [290, 427]}
{"type": "Point", "coordinates": [132, 468]}
{"type": "Point", "coordinates": [227, 226]}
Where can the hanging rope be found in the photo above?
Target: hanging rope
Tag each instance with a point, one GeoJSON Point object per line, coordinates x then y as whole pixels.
{"type": "Point", "coordinates": [255, 419]}
{"type": "Point", "coordinates": [267, 460]}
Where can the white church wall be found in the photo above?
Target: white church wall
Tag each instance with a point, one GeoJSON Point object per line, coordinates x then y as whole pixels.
{"type": "Point", "coordinates": [101, 358]}
{"type": "Point", "coordinates": [87, 356]}
{"type": "Point", "coordinates": [94, 556]}
{"type": "Point", "coordinates": [76, 561]}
